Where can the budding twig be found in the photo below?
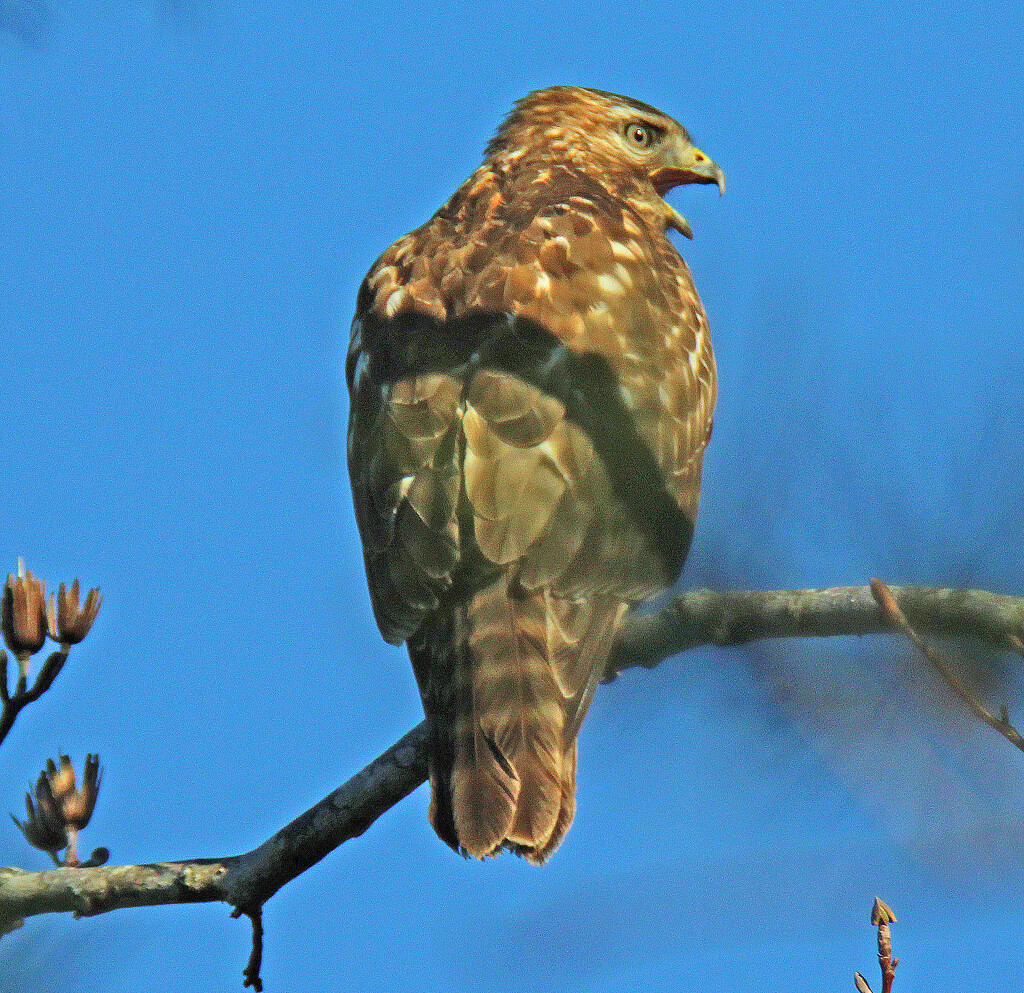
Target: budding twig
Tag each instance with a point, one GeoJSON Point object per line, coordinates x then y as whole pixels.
{"type": "Point", "coordinates": [61, 810]}
{"type": "Point", "coordinates": [26, 621]}
{"type": "Point", "coordinates": [881, 917]}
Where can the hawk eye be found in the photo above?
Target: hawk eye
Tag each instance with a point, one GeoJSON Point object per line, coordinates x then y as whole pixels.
{"type": "Point", "coordinates": [640, 135]}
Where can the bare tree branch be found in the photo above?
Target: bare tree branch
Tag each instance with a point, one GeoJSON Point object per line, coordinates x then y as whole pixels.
{"type": "Point", "coordinates": [243, 881]}
{"type": "Point", "coordinates": [699, 617]}
{"type": "Point", "coordinates": [704, 617]}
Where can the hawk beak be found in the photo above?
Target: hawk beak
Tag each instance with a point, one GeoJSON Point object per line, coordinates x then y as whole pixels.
{"type": "Point", "coordinates": [687, 164]}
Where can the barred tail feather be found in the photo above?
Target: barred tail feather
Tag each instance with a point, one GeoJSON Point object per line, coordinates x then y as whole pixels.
{"type": "Point", "coordinates": [503, 726]}
{"type": "Point", "coordinates": [566, 812]}
{"type": "Point", "coordinates": [516, 715]}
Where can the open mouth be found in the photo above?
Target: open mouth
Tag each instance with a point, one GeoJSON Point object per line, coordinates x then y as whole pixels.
{"type": "Point", "coordinates": [703, 173]}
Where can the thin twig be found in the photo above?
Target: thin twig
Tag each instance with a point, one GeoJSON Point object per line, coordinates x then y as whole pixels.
{"type": "Point", "coordinates": [13, 703]}
{"type": "Point", "coordinates": [251, 974]}
{"type": "Point", "coordinates": [887, 602]}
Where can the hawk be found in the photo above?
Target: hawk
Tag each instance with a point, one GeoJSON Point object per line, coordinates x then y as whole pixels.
{"type": "Point", "coordinates": [532, 388]}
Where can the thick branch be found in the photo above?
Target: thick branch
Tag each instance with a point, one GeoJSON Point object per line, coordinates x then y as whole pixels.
{"type": "Point", "coordinates": [700, 617]}
{"type": "Point", "coordinates": [244, 881]}
{"type": "Point", "coordinates": [703, 617]}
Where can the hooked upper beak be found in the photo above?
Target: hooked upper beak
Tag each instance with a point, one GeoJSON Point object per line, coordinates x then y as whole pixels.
{"type": "Point", "coordinates": [687, 164]}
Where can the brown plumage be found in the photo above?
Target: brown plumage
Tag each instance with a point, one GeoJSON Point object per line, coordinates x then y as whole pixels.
{"type": "Point", "coordinates": [532, 390]}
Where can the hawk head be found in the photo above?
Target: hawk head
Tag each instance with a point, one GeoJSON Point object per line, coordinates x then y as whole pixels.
{"type": "Point", "coordinates": [616, 140]}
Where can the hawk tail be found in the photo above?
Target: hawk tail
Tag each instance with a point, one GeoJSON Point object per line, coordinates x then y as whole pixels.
{"type": "Point", "coordinates": [501, 686]}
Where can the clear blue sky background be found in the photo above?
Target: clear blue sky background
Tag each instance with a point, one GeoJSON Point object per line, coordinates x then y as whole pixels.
{"type": "Point", "coordinates": [190, 194]}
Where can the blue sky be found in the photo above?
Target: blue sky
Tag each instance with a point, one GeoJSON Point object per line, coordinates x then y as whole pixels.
{"type": "Point", "coordinates": [191, 195]}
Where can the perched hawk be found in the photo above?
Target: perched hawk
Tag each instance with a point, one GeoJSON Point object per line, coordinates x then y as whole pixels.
{"type": "Point", "coordinates": [532, 389]}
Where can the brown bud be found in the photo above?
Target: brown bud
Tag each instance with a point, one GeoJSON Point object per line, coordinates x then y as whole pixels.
{"type": "Point", "coordinates": [76, 805]}
{"type": "Point", "coordinates": [62, 780]}
{"type": "Point", "coordinates": [882, 913]}
{"type": "Point", "coordinates": [23, 614]}
{"type": "Point", "coordinates": [70, 621]}
{"type": "Point", "coordinates": [61, 809]}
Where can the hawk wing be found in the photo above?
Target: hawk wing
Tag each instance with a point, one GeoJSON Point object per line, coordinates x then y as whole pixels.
{"type": "Point", "coordinates": [525, 444]}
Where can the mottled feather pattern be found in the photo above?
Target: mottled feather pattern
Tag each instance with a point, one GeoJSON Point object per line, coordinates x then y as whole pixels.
{"type": "Point", "coordinates": [532, 391]}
